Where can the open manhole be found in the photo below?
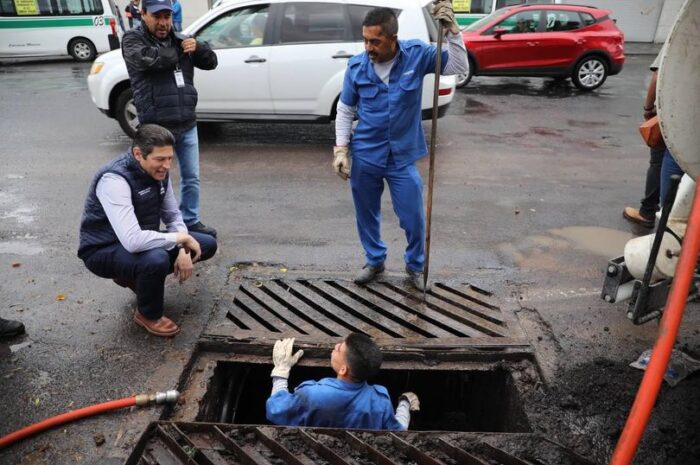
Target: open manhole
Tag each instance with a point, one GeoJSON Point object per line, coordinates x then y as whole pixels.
{"type": "Point", "coordinates": [450, 400]}
{"type": "Point", "coordinates": [207, 443]}
{"type": "Point", "coordinates": [457, 349]}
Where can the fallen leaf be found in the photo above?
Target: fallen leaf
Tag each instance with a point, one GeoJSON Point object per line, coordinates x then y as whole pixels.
{"type": "Point", "coordinates": [99, 439]}
{"type": "Point", "coordinates": [60, 297]}
{"type": "Point", "coordinates": [283, 270]}
{"type": "Point", "coordinates": [37, 401]}
{"type": "Point", "coordinates": [16, 264]}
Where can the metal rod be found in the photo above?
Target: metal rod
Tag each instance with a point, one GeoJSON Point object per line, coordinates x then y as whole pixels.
{"type": "Point", "coordinates": [643, 295]}
{"type": "Point", "coordinates": [431, 171]}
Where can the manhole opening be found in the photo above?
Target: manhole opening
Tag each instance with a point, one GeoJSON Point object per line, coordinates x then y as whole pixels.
{"type": "Point", "coordinates": [469, 401]}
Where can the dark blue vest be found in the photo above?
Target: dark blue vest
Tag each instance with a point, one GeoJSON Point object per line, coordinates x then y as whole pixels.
{"type": "Point", "coordinates": [146, 195]}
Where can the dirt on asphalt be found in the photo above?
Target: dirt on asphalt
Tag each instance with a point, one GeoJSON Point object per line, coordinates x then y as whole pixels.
{"type": "Point", "coordinates": [588, 406]}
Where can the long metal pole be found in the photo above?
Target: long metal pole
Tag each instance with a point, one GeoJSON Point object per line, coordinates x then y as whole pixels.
{"type": "Point", "coordinates": [431, 171]}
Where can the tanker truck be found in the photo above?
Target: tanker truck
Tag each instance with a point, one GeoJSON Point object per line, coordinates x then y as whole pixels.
{"type": "Point", "coordinates": [644, 273]}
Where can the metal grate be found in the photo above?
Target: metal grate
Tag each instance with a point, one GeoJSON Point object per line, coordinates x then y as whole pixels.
{"type": "Point", "coordinates": [207, 443]}
{"type": "Point", "coordinates": [384, 310]}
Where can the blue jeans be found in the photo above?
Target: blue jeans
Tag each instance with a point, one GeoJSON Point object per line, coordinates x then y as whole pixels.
{"type": "Point", "coordinates": [669, 167]}
{"type": "Point", "coordinates": [650, 202]}
{"type": "Point", "coordinates": [187, 151]}
{"type": "Point", "coordinates": [406, 188]}
{"type": "Point", "coordinates": [147, 269]}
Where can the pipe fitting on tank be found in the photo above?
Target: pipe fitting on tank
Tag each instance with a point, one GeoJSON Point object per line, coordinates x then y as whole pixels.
{"type": "Point", "coordinates": [157, 398]}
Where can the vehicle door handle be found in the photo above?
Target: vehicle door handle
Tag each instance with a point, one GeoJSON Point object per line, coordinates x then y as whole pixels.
{"type": "Point", "coordinates": [342, 54]}
{"type": "Point", "coordinates": [255, 59]}
{"type": "Point", "coordinates": [532, 44]}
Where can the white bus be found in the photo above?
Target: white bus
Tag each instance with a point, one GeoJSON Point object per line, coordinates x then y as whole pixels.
{"type": "Point", "coordinates": [80, 28]}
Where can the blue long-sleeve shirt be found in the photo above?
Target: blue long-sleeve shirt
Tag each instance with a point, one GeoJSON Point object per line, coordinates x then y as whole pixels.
{"type": "Point", "coordinates": [389, 116]}
{"type": "Point", "coordinates": [333, 403]}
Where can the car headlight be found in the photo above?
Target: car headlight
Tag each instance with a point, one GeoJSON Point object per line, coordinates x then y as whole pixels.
{"type": "Point", "coordinates": [96, 67]}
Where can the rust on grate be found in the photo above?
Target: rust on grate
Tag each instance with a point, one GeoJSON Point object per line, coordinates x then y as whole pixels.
{"type": "Point", "coordinates": [323, 309]}
{"type": "Point", "coordinates": [168, 443]}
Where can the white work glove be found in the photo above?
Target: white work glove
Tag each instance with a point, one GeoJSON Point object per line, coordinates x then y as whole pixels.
{"type": "Point", "coordinates": [283, 359]}
{"type": "Point", "coordinates": [341, 162]}
{"type": "Point", "coordinates": [443, 12]}
{"type": "Point", "coordinates": [412, 400]}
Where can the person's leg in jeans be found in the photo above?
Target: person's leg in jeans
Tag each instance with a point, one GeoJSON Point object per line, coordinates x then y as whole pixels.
{"type": "Point", "coordinates": [187, 151]}
{"type": "Point", "coordinates": [650, 203]}
{"type": "Point", "coordinates": [669, 167]}
{"type": "Point", "coordinates": [147, 269]}
{"type": "Point", "coordinates": [207, 243]}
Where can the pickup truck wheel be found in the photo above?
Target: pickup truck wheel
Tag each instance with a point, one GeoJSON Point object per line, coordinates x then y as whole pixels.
{"type": "Point", "coordinates": [126, 113]}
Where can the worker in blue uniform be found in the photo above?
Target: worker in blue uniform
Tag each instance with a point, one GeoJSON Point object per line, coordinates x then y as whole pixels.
{"type": "Point", "coordinates": [383, 89]}
{"type": "Point", "coordinates": [346, 401]}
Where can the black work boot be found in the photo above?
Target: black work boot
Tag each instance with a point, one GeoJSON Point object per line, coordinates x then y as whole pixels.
{"type": "Point", "coordinates": [10, 328]}
{"type": "Point", "coordinates": [368, 274]}
{"type": "Point", "coordinates": [202, 228]}
{"type": "Point", "coordinates": [416, 279]}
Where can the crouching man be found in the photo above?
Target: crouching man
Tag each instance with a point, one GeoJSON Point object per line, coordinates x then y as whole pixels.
{"type": "Point", "coordinates": [120, 236]}
{"type": "Point", "coordinates": [346, 401]}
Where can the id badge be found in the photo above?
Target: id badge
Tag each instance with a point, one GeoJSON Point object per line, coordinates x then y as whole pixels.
{"type": "Point", "coordinates": [179, 78]}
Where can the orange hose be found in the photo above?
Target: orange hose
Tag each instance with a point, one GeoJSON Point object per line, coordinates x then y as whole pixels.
{"type": "Point", "coordinates": [65, 418]}
{"type": "Point", "coordinates": [661, 353]}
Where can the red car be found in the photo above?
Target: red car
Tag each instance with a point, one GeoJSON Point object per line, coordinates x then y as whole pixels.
{"type": "Point", "coordinates": [558, 41]}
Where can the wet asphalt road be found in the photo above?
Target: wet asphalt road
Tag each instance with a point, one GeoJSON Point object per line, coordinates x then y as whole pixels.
{"type": "Point", "coordinates": [532, 176]}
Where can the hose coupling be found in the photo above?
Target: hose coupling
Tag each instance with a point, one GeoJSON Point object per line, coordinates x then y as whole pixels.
{"type": "Point", "coordinates": [157, 398]}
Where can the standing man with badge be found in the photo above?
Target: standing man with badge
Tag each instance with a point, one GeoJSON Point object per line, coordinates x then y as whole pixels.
{"type": "Point", "coordinates": [161, 66]}
{"type": "Point", "coordinates": [383, 87]}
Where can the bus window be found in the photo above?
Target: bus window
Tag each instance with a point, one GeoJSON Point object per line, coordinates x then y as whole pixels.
{"type": "Point", "coordinates": [51, 8]}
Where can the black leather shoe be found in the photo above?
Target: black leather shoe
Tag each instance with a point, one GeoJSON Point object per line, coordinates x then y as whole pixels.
{"type": "Point", "coordinates": [416, 280]}
{"type": "Point", "coordinates": [200, 227]}
{"type": "Point", "coordinates": [368, 274]}
{"type": "Point", "coordinates": [10, 328]}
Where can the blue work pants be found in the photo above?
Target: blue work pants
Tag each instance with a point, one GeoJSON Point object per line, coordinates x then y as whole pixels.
{"type": "Point", "coordinates": [147, 269]}
{"type": "Point", "coordinates": [406, 188]}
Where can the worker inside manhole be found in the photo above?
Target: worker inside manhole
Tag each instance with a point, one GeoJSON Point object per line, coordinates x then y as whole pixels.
{"type": "Point", "coordinates": [450, 400]}
{"type": "Point", "coordinates": [346, 401]}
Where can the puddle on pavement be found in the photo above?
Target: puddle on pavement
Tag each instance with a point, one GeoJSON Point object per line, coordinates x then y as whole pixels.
{"type": "Point", "coordinates": [605, 242]}
{"type": "Point", "coordinates": [20, 248]}
{"type": "Point", "coordinates": [546, 251]}
{"type": "Point", "coordinates": [22, 215]}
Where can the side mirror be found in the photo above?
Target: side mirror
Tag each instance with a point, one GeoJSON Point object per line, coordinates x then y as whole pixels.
{"type": "Point", "coordinates": [499, 31]}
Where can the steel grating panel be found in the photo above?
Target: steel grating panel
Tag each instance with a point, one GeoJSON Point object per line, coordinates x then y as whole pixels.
{"type": "Point", "coordinates": [167, 443]}
{"type": "Point", "coordinates": [323, 309]}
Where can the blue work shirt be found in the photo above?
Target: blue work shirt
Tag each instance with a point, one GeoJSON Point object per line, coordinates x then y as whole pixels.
{"type": "Point", "coordinates": [333, 403]}
{"type": "Point", "coordinates": [389, 116]}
